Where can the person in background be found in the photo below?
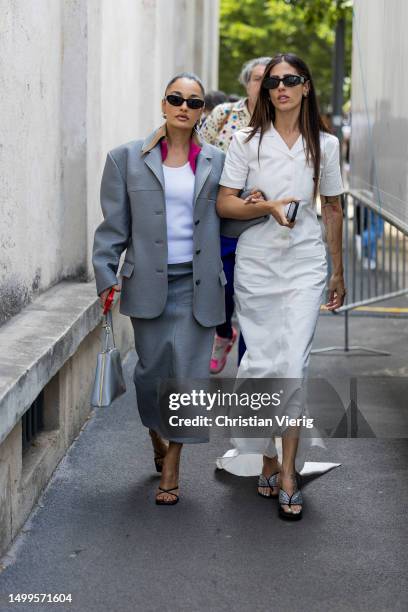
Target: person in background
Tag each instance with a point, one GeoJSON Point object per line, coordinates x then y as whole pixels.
{"type": "Point", "coordinates": [218, 129]}
{"type": "Point", "coordinates": [212, 99]}
{"type": "Point", "coordinates": [233, 97]}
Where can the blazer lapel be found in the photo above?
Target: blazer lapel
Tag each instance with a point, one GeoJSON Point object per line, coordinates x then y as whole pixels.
{"type": "Point", "coordinates": [153, 160]}
{"type": "Point", "coordinates": [203, 169]}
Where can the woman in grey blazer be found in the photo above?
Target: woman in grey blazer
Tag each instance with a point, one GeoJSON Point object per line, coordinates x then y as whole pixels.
{"type": "Point", "coordinates": [158, 200]}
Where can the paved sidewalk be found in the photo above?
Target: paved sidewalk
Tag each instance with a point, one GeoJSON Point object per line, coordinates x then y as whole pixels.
{"type": "Point", "coordinates": [96, 532]}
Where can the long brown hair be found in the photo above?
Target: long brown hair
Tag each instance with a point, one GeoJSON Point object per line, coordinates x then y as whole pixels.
{"type": "Point", "coordinates": [310, 121]}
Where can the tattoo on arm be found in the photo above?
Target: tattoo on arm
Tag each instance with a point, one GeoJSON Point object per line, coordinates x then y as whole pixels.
{"type": "Point", "coordinates": [330, 200]}
{"type": "Point", "coordinates": [332, 215]}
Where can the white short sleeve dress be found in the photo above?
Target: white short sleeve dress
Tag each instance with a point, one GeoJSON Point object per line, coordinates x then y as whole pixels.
{"type": "Point", "coordinates": [280, 273]}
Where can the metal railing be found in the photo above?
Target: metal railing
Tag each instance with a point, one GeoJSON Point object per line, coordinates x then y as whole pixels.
{"type": "Point", "coordinates": [375, 260]}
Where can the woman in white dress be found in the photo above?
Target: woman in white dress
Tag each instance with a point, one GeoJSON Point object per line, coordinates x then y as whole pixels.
{"type": "Point", "coordinates": [288, 153]}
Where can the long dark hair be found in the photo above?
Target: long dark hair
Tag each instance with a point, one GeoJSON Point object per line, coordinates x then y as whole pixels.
{"type": "Point", "coordinates": [310, 121]}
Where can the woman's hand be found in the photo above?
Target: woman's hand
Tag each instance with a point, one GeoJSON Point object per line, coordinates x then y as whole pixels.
{"type": "Point", "coordinates": [255, 196]}
{"type": "Point", "coordinates": [231, 206]}
{"type": "Point", "coordinates": [337, 292]}
{"type": "Point", "coordinates": [277, 210]}
{"type": "Point", "coordinates": [104, 294]}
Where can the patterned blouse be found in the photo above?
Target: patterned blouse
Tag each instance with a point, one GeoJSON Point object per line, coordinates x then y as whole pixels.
{"type": "Point", "coordinates": [218, 129]}
{"type": "Point", "coordinates": [223, 121]}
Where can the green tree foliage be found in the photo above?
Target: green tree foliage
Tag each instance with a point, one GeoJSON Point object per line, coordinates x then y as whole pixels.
{"type": "Point", "coordinates": [254, 28]}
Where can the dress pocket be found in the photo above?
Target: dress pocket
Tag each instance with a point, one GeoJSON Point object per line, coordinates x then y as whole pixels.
{"type": "Point", "coordinates": [301, 252]}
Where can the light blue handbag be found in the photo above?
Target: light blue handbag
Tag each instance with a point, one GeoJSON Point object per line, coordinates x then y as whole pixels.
{"type": "Point", "coordinates": [109, 382]}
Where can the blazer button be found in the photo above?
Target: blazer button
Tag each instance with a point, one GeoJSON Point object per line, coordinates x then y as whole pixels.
{"type": "Point", "coordinates": [198, 251]}
{"type": "Point", "coordinates": [198, 282]}
{"type": "Point", "coordinates": [197, 222]}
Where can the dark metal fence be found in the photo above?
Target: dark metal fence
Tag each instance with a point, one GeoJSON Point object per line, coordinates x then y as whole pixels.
{"type": "Point", "coordinates": [375, 260]}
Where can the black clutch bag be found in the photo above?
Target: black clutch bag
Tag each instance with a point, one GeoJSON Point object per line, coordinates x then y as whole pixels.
{"type": "Point", "coordinates": [233, 228]}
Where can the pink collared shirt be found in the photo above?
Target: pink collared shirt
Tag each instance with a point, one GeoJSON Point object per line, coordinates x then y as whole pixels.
{"type": "Point", "coordinates": [192, 154]}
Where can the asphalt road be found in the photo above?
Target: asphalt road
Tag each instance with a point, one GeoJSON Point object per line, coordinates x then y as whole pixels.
{"type": "Point", "coordinates": [97, 534]}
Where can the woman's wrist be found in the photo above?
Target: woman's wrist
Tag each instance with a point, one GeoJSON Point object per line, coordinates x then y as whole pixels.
{"type": "Point", "coordinates": [274, 205]}
{"type": "Point", "coordinates": [268, 206]}
{"type": "Point", "coordinates": [338, 270]}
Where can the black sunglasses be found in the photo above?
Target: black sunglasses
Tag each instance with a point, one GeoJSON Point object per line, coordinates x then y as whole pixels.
{"type": "Point", "coordinates": [289, 80]}
{"type": "Point", "coordinates": [176, 100]}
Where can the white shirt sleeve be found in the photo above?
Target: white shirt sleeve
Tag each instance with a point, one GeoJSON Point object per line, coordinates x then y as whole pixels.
{"type": "Point", "coordinates": [331, 182]}
{"type": "Point", "coordinates": [236, 166]}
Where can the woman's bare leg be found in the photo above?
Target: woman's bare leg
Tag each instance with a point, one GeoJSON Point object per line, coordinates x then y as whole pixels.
{"type": "Point", "coordinates": [288, 472]}
{"type": "Point", "coordinates": [170, 472]}
{"type": "Point", "coordinates": [160, 446]}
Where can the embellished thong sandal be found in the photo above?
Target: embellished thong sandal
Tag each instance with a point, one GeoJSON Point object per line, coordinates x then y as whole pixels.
{"type": "Point", "coordinates": [163, 502]}
{"type": "Point", "coordinates": [296, 499]}
{"type": "Point", "coordinates": [271, 482]}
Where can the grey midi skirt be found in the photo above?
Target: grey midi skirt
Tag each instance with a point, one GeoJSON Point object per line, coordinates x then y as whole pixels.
{"type": "Point", "coordinates": [173, 345]}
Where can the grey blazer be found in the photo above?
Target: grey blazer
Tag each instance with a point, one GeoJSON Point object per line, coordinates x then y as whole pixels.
{"type": "Point", "coordinates": [133, 206]}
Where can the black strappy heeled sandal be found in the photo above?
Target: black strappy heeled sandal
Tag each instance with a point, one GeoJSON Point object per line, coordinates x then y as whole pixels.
{"type": "Point", "coordinates": [162, 502]}
{"type": "Point", "coordinates": [271, 482]}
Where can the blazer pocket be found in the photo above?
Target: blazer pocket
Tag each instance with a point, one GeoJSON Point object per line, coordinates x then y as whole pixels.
{"type": "Point", "coordinates": [223, 278]}
{"type": "Point", "coordinates": [143, 181]}
{"type": "Point", "coordinates": [127, 269]}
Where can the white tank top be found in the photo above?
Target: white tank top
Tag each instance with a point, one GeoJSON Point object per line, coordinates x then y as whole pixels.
{"type": "Point", "coordinates": [179, 193]}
